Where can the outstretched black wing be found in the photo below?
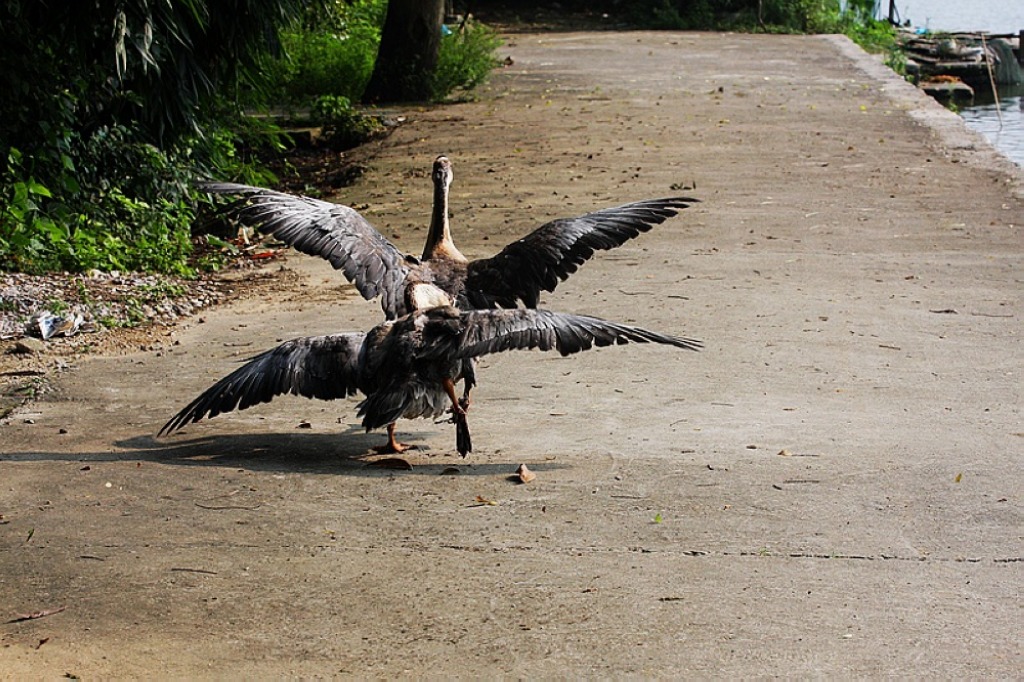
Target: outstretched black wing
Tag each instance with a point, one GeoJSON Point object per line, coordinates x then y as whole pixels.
{"type": "Point", "coordinates": [324, 367]}
{"type": "Point", "coordinates": [555, 250]}
{"type": "Point", "coordinates": [334, 232]}
{"type": "Point", "coordinates": [493, 331]}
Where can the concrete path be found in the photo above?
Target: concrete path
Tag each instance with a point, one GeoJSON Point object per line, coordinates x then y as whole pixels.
{"type": "Point", "coordinates": [832, 488]}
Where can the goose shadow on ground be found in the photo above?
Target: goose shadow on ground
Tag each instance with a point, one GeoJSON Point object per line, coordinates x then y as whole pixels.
{"type": "Point", "coordinates": [347, 453]}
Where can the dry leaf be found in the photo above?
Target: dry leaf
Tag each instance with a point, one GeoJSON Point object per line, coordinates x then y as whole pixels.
{"type": "Point", "coordinates": [785, 453]}
{"type": "Point", "coordinates": [524, 473]}
{"type": "Point", "coordinates": [480, 499]}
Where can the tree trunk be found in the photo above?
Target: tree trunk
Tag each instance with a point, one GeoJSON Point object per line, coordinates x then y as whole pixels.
{"type": "Point", "coordinates": [409, 46]}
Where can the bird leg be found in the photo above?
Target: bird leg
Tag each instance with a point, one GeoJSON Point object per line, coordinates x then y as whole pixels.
{"type": "Point", "coordinates": [392, 446]}
{"type": "Point", "coordinates": [449, 388]}
{"type": "Point", "coordinates": [469, 379]}
{"type": "Point", "coordinates": [463, 442]}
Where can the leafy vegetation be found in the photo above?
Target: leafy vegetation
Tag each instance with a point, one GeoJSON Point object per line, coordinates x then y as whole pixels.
{"type": "Point", "coordinates": [855, 18]}
{"type": "Point", "coordinates": [332, 52]}
{"type": "Point", "coordinates": [103, 133]}
{"type": "Point", "coordinates": [342, 127]}
{"type": "Point", "coordinates": [466, 59]}
{"type": "Point", "coordinates": [776, 16]}
{"type": "Point", "coordinates": [880, 37]}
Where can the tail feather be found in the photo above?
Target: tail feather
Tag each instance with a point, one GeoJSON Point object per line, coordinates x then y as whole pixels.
{"type": "Point", "coordinates": [382, 408]}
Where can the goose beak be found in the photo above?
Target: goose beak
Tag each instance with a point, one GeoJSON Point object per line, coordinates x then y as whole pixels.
{"type": "Point", "coordinates": [442, 170]}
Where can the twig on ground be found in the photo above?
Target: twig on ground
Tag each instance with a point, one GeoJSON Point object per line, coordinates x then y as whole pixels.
{"type": "Point", "coordinates": [19, 617]}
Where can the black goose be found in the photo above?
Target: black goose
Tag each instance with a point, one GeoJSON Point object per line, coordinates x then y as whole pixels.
{"type": "Point", "coordinates": [518, 273]}
{"type": "Point", "coordinates": [406, 367]}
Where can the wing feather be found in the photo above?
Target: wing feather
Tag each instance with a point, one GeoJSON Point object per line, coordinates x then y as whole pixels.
{"type": "Point", "coordinates": [336, 233]}
{"type": "Point", "coordinates": [323, 367]}
{"type": "Point", "coordinates": [493, 331]}
{"type": "Point", "coordinates": [552, 252]}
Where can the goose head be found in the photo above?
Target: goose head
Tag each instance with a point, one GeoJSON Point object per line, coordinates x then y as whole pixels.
{"type": "Point", "coordinates": [439, 240]}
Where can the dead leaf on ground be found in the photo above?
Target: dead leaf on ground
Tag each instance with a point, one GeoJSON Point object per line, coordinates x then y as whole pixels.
{"type": "Point", "coordinates": [482, 501]}
{"type": "Point", "coordinates": [524, 474]}
{"type": "Point", "coordinates": [785, 453]}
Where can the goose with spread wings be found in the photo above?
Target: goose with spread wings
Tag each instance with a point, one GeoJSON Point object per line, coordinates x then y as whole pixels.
{"type": "Point", "coordinates": [404, 283]}
{"type": "Point", "coordinates": [407, 368]}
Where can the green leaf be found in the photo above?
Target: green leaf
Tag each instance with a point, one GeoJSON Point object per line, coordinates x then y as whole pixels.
{"type": "Point", "coordinates": [38, 188]}
{"type": "Point", "coordinates": [221, 244]}
{"type": "Point", "coordinates": [20, 193]}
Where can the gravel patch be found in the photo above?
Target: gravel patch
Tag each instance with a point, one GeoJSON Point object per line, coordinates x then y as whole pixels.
{"type": "Point", "coordinates": [107, 312]}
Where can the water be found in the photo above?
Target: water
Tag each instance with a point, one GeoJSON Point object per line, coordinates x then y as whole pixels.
{"type": "Point", "coordinates": [1008, 138]}
{"type": "Point", "coordinates": [994, 16]}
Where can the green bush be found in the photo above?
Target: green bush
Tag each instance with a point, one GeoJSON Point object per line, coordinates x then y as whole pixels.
{"type": "Point", "coordinates": [342, 126]}
{"type": "Point", "coordinates": [103, 133]}
{"type": "Point", "coordinates": [778, 16]}
{"type": "Point", "coordinates": [331, 52]}
{"type": "Point", "coordinates": [466, 59]}
{"type": "Point", "coordinates": [117, 204]}
{"type": "Point", "coordinates": [234, 149]}
{"type": "Point", "coordinates": [326, 63]}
